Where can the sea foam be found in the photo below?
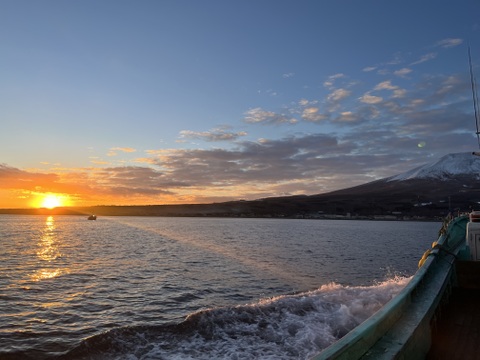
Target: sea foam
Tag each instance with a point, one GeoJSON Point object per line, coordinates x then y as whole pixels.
{"type": "Point", "coordinates": [295, 326]}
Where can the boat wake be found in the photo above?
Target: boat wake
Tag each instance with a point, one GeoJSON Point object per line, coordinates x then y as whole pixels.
{"type": "Point", "coordinates": [294, 326]}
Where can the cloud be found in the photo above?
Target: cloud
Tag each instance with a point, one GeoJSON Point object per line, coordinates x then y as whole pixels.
{"type": "Point", "coordinates": [424, 58]}
{"type": "Point", "coordinates": [338, 95]}
{"type": "Point", "coordinates": [266, 161]}
{"type": "Point", "coordinates": [449, 42]}
{"type": "Point", "coordinates": [260, 116]}
{"type": "Point", "coordinates": [124, 149]}
{"type": "Point", "coordinates": [100, 162]}
{"type": "Point", "coordinates": [218, 134]}
{"type": "Point", "coordinates": [31, 183]}
{"type": "Point", "coordinates": [114, 151]}
{"type": "Point", "coordinates": [332, 78]}
{"type": "Point", "coordinates": [347, 116]}
{"type": "Point", "coordinates": [369, 68]}
{"type": "Point", "coordinates": [402, 72]}
{"type": "Point", "coordinates": [288, 75]}
{"type": "Point", "coordinates": [312, 114]}
{"type": "Point", "coordinates": [13, 178]}
{"type": "Point", "coordinates": [269, 92]}
{"type": "Point", "coordinates": [399, 93]}
{"type": "Point", "coordinates": [134, 180]}
{"type": "Point", "coordinates": [335, 98]}
{"type": "Point", "coordinates": [385, 85]}
{"type": "Point", "coordinates": [370, 99]}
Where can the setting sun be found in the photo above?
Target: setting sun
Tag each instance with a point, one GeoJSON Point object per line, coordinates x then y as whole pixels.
{"type": "Point", "coordinates": [51, 201]}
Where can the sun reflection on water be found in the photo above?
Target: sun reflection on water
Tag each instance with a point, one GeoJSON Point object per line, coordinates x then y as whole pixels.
{"type": "Point", "coordinates": [48, 252]}
{"type": "Point", "coordinates": [48, 245]}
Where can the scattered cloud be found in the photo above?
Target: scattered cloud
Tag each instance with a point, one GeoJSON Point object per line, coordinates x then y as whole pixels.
{"type": "Point", "coordinates": [100, 162]}
{"type": "Point", "coordinates": [347, 116]}
{"type": "Point", "coordinates": [269, 92]}
{"type": "Point", "coordinates": [331, 79]}
{"type": "Point", "coordinates": [450, 42]}
{"type": "Point", "coordinates": [218, 134]}
{"type": "Point", "coordinates": [13, 178]}
{"type": "Point", "coordinates": [338, 95]}
{"type": "Point", "coordinates": [124, 149]}
{"type": "Point", "coordinates": [288, 75]}
{"type": "Point", "coordinates": [402, 72]}
{"type": "Point", "coordinates": [260, 116]}
{"type": "Point", "coordinates": [425, 58]}
{"type": "Point", "coordinates": [385, 85]}
{"type": "Point", "coordinates": [399, 93]}
{"type": "Point", "coordinates": [313, 114]}
{"type": "Point", "coordinates": [370, 99]}
{"type": "Point", "coordinates": [114, 151]}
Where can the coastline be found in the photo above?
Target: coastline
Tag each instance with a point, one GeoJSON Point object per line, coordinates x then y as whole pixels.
{"type": "Point", "coordinates": [216, 210]}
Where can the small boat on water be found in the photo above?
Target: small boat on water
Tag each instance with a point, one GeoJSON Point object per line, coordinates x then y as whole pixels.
{"type": "Point", "coordinates": [436, 315]}
{"type": "Point", "coordinates": [92, 217]}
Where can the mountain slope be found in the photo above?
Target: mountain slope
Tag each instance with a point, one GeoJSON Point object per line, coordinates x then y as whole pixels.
{"type": "Point", "coordinates": [451, 182]}
{"type": "Point", "coordinates": [448, 166]}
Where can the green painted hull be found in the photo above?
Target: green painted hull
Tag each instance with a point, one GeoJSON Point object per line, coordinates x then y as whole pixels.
{"type": "Point", "coordinates": [401, 329]}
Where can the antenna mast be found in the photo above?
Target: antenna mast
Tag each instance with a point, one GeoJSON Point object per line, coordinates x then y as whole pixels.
{"type": "Point", "coordinates": [474, 95]}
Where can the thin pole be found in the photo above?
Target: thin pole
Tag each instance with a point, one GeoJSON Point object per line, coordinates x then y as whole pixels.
{"type": "Point", "coordinates": [474, 95]}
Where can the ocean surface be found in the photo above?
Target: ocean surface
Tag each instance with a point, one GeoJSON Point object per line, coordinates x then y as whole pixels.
{"type": "Point", "coordinates": [195, 288]}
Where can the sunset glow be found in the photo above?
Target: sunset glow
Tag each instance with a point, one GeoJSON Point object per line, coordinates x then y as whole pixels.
{"type": "Point", "coordinates": [51, 201]}
{"type": "Point", "coordinates": [187, 105]}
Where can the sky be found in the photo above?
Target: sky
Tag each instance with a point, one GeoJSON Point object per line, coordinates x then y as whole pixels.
{"type": "Point", "coordinates": [117, 102]}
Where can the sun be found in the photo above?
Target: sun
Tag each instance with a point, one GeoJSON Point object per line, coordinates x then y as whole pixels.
{"type": "Point", "coordinates": [51, 201]}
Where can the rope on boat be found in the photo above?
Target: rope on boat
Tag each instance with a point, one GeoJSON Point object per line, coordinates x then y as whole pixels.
{"type": "Point", "coordinates": [429, 252]}
{"type": "Point", "coordinates": [424, 258]}
{"type": "Point", "coordinates": [436, 245]}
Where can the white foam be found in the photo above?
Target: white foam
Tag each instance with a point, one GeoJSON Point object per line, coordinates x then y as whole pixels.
{"type": "Point", "coordinates": [285, 327]}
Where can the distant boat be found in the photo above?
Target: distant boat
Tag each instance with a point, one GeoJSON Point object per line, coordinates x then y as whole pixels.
{"type": "Point", "coordinates": [92, 217]}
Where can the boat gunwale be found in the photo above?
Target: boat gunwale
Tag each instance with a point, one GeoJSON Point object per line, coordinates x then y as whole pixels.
{"type": "Point", "coordinates": [361, 339]}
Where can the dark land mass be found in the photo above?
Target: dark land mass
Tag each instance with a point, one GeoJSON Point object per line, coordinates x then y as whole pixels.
{"type": "Point", "coordinates": [381, 199]}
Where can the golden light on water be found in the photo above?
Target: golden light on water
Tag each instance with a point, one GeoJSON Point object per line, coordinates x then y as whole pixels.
{"type": "Point", "coordinates": [48, 252]}
{"type": "Point", "coordinates": [48, 247]}
{"type": "Point", "coordinates": [43, 274]}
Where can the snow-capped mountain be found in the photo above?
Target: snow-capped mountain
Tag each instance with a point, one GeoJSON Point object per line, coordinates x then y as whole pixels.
{"type": "Point", "coordinates": [452, 182]}
{"type": "Point", "coordinates": [446, 167]}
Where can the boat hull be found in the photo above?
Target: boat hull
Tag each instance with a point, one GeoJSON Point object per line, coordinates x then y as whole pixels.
{"type": "Point", "coordinates": [402, 328]}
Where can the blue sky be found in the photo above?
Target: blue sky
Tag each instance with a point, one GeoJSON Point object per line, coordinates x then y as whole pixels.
{"type": "Point", "coordinates": [136, 102]}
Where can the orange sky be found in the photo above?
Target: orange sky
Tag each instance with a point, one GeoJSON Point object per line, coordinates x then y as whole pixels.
{"type": "Point", "coordinates": [125, 185]}
{"type": "Point", "coordinates": [87, 187]}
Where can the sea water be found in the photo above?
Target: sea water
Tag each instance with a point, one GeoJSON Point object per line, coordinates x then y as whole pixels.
{"type": "Point", "coordinates": [195, 288]}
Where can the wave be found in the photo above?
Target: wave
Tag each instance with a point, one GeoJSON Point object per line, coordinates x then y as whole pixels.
{"type": "Point", "coordinates": [295, 326]}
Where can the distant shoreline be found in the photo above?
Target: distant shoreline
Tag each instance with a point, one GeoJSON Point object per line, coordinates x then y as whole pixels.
{"type": "Point", "coordinates": [205, 210]}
